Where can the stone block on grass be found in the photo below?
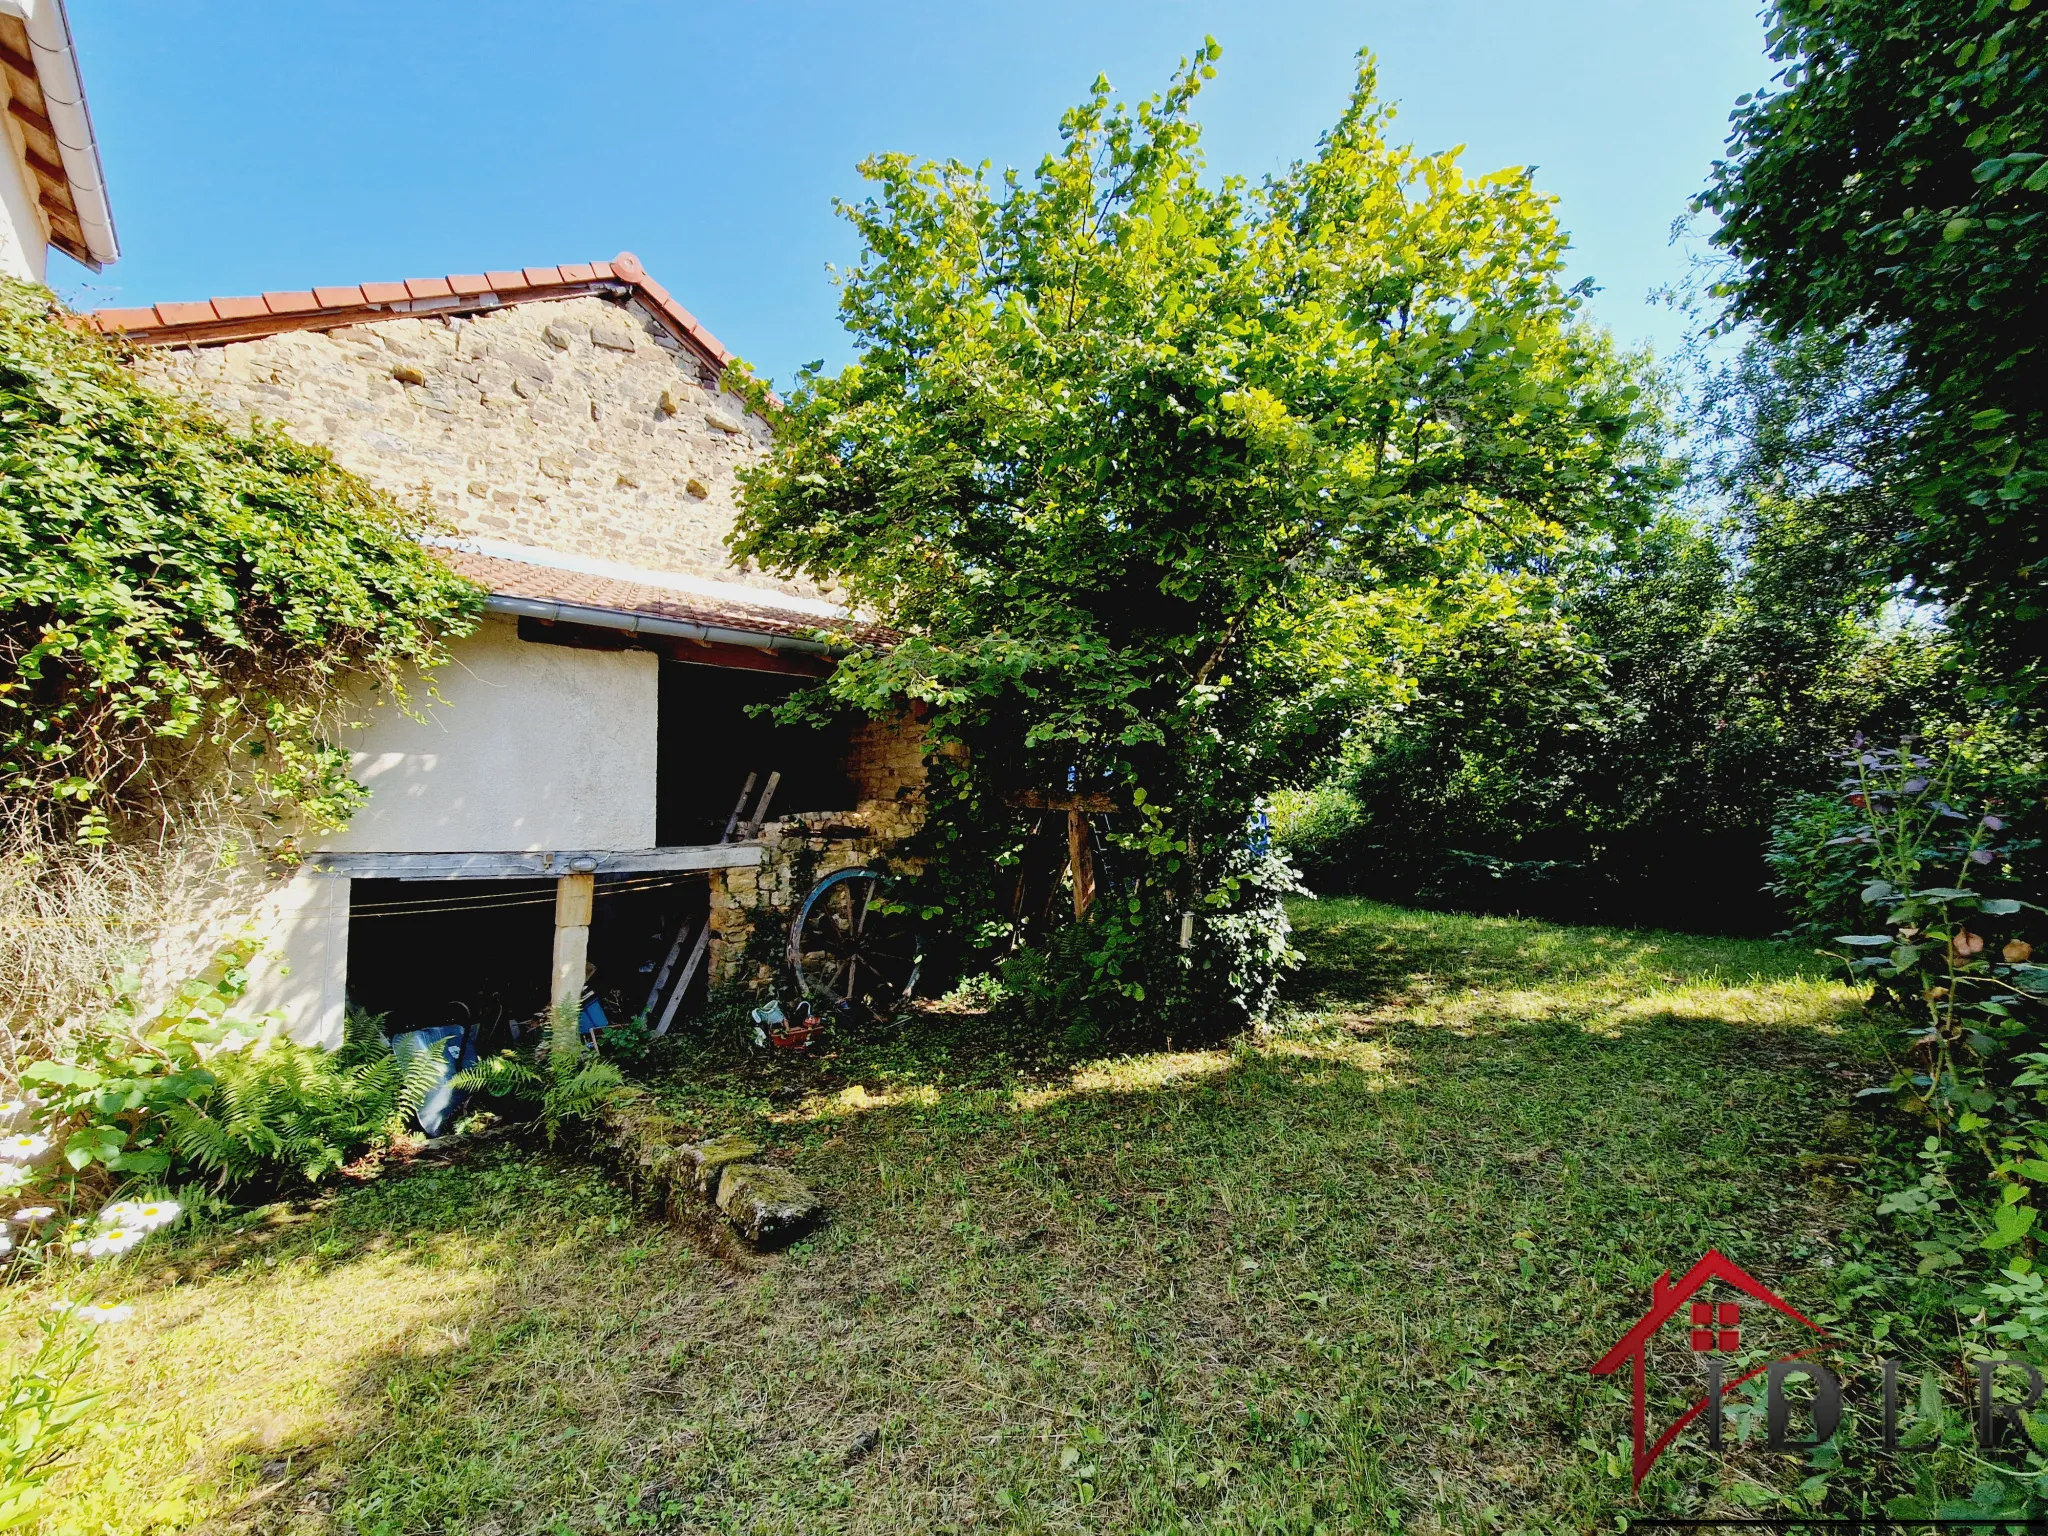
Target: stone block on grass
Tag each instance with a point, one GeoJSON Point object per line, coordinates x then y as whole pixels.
{"type": "Point", "coordinates": [770, 1207]}
{"type": "Point", "coordinates": [711, 1158]}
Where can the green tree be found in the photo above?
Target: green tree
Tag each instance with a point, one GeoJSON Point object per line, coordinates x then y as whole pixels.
{"type": "Point", "coordinates": [1161, 478]}
{"type": "Point", "coordinates": [1893, 186]}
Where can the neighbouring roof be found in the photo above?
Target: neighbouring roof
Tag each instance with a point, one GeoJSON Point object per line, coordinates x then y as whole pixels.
{"type": "Point", "coordinates": [213, 321]}
{"type": "Point", "coordinates": [553, 590]}
{"type": "Point", "coordinates": [46, 97]}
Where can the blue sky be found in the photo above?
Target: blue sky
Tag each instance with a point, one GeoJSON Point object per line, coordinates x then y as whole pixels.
{"type": "Point", "coordinates": [264, 144]}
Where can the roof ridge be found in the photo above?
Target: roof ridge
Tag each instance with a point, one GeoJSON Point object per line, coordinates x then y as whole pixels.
{"type": "Point", "coordinates": [235, 319]}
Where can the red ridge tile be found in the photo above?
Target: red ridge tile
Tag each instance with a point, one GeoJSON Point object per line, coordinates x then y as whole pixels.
{"type": "Point", "coordinates": [625, 267]}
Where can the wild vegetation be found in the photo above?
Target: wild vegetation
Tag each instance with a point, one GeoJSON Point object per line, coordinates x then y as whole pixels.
{"type": "Point", "coordinates": [182, 607]}
{"type": "Point", "coordinates": [1347, 1273]}
{"type": "Point", "coordinates": [1189, 499]}
{"type": "Point", "coordinates": [1164, 478]}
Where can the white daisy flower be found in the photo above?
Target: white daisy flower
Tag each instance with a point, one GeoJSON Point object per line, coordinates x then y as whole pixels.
{"type": "Point", "coordinates": [12, 1175]}
{"type": "Point", "coordinates": [109, 1241]}
{"type": "Point", "coordinates": [6, 1241]}
{"type": "Point", "coordinates": [34, 1215]}
{"type": "Point", "coordinates": [93, 1313]}
{"type": "Point", "coordinates": [120, 1214]}
{"type": "Point", "coordinates": [151, 1214]}
{"type": "Point", "coordinates": [24, 1146]}
{"type": "Point", "coordinates": [11, 1110]}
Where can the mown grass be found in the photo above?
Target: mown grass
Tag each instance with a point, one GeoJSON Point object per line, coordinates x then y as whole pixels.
{"type": "Point", "coordinates": [1344, 1276]}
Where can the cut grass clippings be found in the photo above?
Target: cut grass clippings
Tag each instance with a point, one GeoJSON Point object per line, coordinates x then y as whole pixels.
{"type": "Point", "coordinates": [1346, 1275]}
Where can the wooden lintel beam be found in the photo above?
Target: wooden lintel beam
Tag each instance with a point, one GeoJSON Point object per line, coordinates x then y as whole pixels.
{"type": "Point", "coordinates": [685, 859]}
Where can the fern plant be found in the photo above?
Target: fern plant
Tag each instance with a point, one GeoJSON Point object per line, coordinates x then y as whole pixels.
{"type": "Point", "coordinates": [297, 1107]}
{"type": "Point", "coordinates": [565, 1081]}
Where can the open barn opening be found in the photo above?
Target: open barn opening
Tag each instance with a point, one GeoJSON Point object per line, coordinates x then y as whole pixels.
{"type": "Point", "coordinates": [716, 737]}
{"type": "Point", "coordinates": [424, 954]}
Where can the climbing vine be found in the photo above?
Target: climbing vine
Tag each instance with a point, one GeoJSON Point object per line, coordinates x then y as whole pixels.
{"type": "Point", "coordinates": [178, 597]}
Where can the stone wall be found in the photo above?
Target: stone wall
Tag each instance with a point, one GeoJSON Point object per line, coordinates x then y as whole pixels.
{"type": "Point", "coordinates": [575, 425]}
{"type": "Point", "coordinates": [751, 906]}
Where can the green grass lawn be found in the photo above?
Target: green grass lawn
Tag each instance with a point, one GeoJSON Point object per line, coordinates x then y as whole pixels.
{"type": "Point", "coordinates": [1346, 1276]}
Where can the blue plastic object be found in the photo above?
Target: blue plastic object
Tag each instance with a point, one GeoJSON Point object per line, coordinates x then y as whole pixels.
{"type": "Point", "coordinates": [451, 1043]}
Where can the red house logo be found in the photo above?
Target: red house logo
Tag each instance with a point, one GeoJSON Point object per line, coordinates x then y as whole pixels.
{"type": "Point", "coordinates": [1715, 1329]}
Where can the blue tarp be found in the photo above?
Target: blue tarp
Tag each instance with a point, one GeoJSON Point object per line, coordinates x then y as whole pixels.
{"type": "Point", "coordinates": [451, 1042]}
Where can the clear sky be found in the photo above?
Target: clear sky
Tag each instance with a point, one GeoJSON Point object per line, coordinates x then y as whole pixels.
{"type": "Point", "coordinates": [265, 144]}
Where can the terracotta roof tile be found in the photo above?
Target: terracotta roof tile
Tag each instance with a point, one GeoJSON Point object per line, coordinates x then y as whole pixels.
{"type": "Point", "coordinates": [231, 319]}
{"type": "Point", "coordinates": [540, 583]}
{"type": "Point", "coordinates": [125, 319]}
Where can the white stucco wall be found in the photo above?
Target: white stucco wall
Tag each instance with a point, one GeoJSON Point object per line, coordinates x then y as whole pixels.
{"type": "Point", "coordinates": [301, 973]}
{"type": "Point", "coordinates": [534, 747]}
{"type": "Point", "coordinates": [24, 243]}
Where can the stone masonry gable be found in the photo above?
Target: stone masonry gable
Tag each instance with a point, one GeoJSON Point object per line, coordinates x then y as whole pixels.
{"type": "Point", "coordinates": [580, 425]}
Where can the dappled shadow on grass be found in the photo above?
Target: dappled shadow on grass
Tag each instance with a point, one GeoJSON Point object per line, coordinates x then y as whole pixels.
{"type": "Point", "coordinates": [1349, 1273]}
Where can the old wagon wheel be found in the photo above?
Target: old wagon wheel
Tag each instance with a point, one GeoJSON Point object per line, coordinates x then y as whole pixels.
{"type": "Point", "coordinates": [849, 945]}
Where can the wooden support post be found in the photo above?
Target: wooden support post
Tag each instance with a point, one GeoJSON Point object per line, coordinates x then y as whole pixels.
{"type": "Point", "coordinates": [574, 897]}
{"type": "Point", "coordinates": [1081, 860]}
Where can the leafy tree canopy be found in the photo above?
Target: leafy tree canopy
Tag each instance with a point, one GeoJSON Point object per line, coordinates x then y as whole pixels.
{"type": "Point", "coordinates": [1160, 475]}
{"type": "Point", "coordinates": [175, 594]}
{"type": "Point", "coordinates": [1895, 184]}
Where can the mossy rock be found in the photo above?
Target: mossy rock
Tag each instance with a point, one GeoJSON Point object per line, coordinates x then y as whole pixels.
{"type": "Point", "coordinates": [768, 1206]}
{"type": "Point", "coordinates": [708, 1159]}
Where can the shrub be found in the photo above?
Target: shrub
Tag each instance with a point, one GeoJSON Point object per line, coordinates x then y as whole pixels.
{"type": "Point", "coordinates": [192, 1091]}
{"type": "Point", "coordinates": [1948, 936]}
{"type": "Point", "coordinates": [556, 1075]}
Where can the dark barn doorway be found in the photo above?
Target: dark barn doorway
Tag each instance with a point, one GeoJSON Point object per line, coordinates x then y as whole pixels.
{"type": "Point", "coordinates": [478, 953]}
{"type": "Point", "coordinates": [708, 741]}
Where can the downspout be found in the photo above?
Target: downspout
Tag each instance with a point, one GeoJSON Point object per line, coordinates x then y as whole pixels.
{"type": "Point", "coordinates": [49, 34]}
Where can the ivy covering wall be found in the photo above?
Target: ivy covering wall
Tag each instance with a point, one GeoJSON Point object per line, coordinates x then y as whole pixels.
{"type": "Point", "coordinates": [178, 598]}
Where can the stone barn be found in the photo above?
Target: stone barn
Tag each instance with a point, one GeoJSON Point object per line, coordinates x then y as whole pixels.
{"type": "Point", "coordinates": [596, 786]}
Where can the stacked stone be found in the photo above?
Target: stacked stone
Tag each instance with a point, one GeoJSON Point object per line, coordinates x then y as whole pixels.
{"type": "Point", "coordinates": [885, 762]}
{"type": "Point", "coordinates": [576, 425]}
